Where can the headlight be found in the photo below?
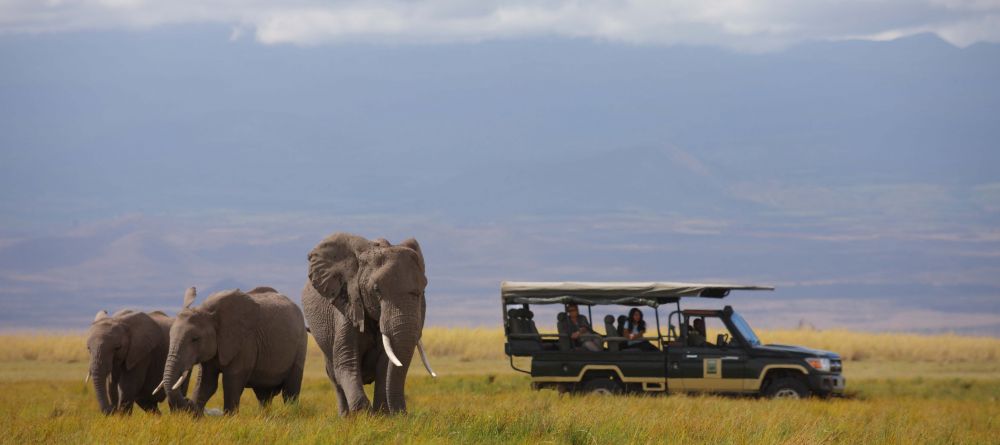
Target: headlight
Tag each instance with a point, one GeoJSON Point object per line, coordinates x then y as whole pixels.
{"type": "Point", "coordinates": [819, 364]}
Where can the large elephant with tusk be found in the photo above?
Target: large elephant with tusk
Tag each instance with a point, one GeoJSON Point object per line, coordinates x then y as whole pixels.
{"type": "Point", "coordinates": [254, 339]}
{"type": "Point", "coordinates": [127, 353]}
{"type": "Point", "coordinates": [365, 305]}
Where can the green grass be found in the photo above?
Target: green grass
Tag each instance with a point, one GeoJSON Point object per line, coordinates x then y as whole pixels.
{"type": "Point", "coordinates": [43, 399]}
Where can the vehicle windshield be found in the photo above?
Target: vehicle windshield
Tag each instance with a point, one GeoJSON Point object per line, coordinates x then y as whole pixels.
{"type": "Point", "coordinates": [745, 330]}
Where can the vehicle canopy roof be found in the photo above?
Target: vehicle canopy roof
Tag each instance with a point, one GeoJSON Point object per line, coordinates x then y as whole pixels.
{"type": "Point", "coordinates": [644, 293]}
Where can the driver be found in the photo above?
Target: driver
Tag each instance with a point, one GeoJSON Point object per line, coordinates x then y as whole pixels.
{"type": "Point", "coordinates": [696, 333]}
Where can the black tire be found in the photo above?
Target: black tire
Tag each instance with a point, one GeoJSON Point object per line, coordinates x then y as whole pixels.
{"type": "Point", "coordinates": [602, 385]}
{"type": "Point", "coordinates": [787, 388]}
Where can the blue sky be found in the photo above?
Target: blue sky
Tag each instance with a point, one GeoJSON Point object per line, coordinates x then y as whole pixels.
{"type": "Point", "coordinates": [146, 147]}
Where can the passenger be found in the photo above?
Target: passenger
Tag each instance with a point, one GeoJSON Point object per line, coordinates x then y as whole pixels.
{"type": "Point", "coordinates": [696, 333]}
{"type": "Point", "coordinates": [635, 329]}
{"type": "Point", "coordinates": [580, 333]}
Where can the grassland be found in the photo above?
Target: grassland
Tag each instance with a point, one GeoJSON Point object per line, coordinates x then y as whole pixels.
{"type": "Point", "coordinates": [904, 389]}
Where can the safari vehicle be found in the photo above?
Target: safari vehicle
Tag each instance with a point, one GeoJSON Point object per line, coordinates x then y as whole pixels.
{"type": "Point", "coordinates": [678, 359]}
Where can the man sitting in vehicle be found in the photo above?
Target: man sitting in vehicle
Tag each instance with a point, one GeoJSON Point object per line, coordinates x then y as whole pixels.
{"type": "Point", "coordinates": [696, 333]}
{"type": "Point", "coordinates": [578, 329]}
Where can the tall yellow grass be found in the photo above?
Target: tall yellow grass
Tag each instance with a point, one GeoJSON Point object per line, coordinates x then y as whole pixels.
{"type": "Point", "coordinates": [468, 344]}
{"type": "Point", "coordinates": [860, 346]}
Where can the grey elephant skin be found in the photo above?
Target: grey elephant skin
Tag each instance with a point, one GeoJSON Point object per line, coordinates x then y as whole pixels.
{"type": "Point", "coordinates": [365, 305]}
{"type": "Point", "coordinates": [254, 339]}
{"type": "Point", "coordinates": [127, 355]}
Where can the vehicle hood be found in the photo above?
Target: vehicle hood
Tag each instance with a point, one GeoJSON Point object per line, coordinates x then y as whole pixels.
{"type": "Point", "coordinates": [796, 351]}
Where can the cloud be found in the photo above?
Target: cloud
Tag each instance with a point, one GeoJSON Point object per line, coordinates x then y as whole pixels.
{"type": "Point", "coordinates": [754, 26]}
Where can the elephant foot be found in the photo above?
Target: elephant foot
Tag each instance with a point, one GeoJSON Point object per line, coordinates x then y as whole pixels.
{"type": "Point", "coordinates": [186, 405]}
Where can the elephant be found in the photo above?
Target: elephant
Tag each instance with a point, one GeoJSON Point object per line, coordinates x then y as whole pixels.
{"type": "Point", "coordinates": [255, 339]}
{"type": "Point", "coordinates": [365, 304]}
{"type": "Point", "coordinates": [127, 354]}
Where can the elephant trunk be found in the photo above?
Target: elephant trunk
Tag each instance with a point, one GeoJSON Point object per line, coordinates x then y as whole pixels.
{"type": "Point", "coordinates": [171, 371]}
{"type": "Point", "coordinates": [396, 378]}
{"type": "Point", "coordinates": [401, 331]}
{"type": "Point", "coordinates": [100, 369]}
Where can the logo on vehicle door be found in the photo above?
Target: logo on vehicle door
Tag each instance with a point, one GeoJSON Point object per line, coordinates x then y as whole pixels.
{"type": "Point", "coordinates": [712, 368]}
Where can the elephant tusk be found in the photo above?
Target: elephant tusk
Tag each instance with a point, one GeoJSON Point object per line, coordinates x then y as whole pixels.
{"type": "Point", "coordinates": [180, 381]}
{"type": "Point", "coordinates": [388, 351]}
{"type": "Point", "coordinates": [423, 358]}
{"type": "Point", "coordinates": [158, 388]}
{"type": "Point", "coordinates": [86, 379]}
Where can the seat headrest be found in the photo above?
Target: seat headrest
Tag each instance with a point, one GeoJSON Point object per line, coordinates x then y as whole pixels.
{"type": "Point", "coordinates": [561, 316]}
{"type": "Point", "coordinates": [520, 313]}
{"type": "Point", "coordinates": [609, 318]}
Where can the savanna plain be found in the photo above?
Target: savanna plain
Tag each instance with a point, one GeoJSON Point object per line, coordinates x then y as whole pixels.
{"type": "Point", "coordinates": [903, 388]}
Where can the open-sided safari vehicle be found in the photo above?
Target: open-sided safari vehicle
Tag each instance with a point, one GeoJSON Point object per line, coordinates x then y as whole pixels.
{"type": "Point", "coordinates": [673, 358]}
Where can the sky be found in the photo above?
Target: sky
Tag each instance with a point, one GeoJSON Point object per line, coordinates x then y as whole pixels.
{"type": "Point", "coordinates": [844, 152]}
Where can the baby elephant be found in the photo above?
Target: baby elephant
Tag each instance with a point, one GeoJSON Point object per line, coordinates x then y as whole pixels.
{"type": "Point", "coordinates": [127, 353]}
{"type": "Point", "coordinates": [255, 340]}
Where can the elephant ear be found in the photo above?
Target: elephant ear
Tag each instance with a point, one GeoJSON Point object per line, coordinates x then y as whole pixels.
{"type": "Point", "coordinates": [412, 244]}
{"type": "Point", "coordinates": [235, 314]}
{"type": "Point", "coordinates": [144, 335]}
{"type": "Point", "coordinates": [334, 273]}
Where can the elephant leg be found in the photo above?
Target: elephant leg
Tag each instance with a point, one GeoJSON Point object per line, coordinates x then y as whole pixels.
{"type": "Point", "coordinates": [341, 398]}
{"type": "Point", "coordinates": [129, 390]}
{"type": "Point", "coordinates": [347, 364]}
{"type": "Point", "coordinates": [113, 388]}
{"type": "Point", "coordinates": [381, 389]}
{"type": "Point", "coordinates": [292, 387]}
{"type": "Point", "coordinates": [354, 391]}
{"type": "Point", "coordinates": [342, 408]}
{"type": "Point", "coordinates": [330, 373]}
{"type": "Point", "coordinates": [232, 388]}
{"type": "Point", "coordinates": [130, 384]}
{"type": "Point", "coordinates": [149, 406]}
{"type": "Point", "coordinates": [264, 396]}
{"type": "Point", "coordinates": [208, 383]}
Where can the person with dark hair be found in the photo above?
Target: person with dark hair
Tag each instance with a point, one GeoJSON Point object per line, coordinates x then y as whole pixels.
{"type": "Point", "coordinates": [696, 333]}
{"type": "Point", "coordinates": [579, 331]}
{"type": "Point", "coordinates": [634, 330]}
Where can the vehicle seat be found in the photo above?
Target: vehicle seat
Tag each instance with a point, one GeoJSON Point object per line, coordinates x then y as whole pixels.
{"type": "Point", "coordinates": [523, 336]}
{"type": "Point", "coordinates": [621, 325]}
{"type": "Point", "coordinates": [609, 328]}
{"type": "Point", "coordinates": [565, 344]}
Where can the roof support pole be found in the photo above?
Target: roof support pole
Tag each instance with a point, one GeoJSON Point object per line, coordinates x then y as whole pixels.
{"type": "Point", "coordinates": [659, 336]}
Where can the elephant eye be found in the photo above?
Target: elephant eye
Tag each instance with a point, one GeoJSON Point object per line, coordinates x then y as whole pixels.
{"type": "Point", "coordinates": [195, 339]}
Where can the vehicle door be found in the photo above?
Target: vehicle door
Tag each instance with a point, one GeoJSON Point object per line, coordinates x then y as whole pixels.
{"type": "Point", "coordinates": [673, 352]}
{"type": "Point", "coordinates": [715, 364]}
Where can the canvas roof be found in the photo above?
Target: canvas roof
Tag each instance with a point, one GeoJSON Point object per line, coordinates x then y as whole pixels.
{"type": "Point", "coordinates": [648, 293]}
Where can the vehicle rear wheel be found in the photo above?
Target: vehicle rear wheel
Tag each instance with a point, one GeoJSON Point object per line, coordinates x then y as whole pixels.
{"type": "Point", "coordinates": [787, 388]}
{"type": "Point", "coordinates": [602, 386]}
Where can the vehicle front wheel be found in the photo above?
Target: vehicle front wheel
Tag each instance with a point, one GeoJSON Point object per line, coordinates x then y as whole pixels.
{"type": "Point", "coordinates": [602, 386]}
{"type": "Point", "coordinates": [787, 388]}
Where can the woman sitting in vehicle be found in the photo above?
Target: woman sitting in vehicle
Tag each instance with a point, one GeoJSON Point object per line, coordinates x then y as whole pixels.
{"type": "Point", "coordinates": [634, 330]}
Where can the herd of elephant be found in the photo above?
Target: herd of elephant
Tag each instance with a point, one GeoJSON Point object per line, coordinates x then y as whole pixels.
{"type": "Point", "coordinates": [365, 305]}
